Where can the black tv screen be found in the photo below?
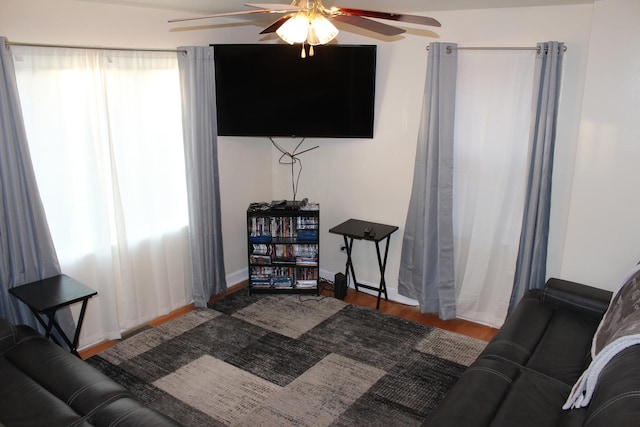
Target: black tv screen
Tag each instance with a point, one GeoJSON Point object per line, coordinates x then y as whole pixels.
{"type": "Point", "coordinates": [268, 90]}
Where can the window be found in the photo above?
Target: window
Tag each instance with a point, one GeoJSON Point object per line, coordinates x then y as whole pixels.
{"type": "Point", "coordinates": [105, 134]}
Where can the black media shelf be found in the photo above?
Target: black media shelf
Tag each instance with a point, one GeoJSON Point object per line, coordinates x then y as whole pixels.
{"type": "Point", "coordinates": [283, 248]}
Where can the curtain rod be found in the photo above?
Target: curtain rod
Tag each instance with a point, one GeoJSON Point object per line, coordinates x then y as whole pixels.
{"type": "Point", "coordinates": [8, 43]}
{"type": "Point", "coordinates": [450, 48]}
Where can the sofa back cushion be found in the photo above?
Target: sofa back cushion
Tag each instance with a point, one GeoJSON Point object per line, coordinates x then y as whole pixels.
{"type": "Point", "coordinates": [552, 340]}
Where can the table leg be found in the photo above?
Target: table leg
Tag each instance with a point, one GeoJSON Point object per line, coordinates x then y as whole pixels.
{"type": "Point", "coordinates": [48, 326]}
{"type": "Point", "coordinates": [76, 336]}
{"type": "Point", "coordinates": [348, 243]}
{"type": "Point", "coordinates": [64, 337]}
{"type": "Point", "coordinates": [73, 345]}
{"type": "Point", "coordinates": [382, 264]}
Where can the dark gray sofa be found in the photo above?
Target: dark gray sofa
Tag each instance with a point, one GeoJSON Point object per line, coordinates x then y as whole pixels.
{"type": "Point", "coordinates": [526, 373]}
{"type": "Point", "coordinates": [43, 385]}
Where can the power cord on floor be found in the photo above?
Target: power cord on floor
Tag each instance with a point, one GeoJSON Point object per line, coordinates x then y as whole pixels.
{"type": "Point", "coordinates": [323, 285]}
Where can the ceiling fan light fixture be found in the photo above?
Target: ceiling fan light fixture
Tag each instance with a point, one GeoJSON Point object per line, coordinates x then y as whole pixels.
{"type": "Point", "coordinates": [295, 30]}
{"type": "Point", "coordinates": [321, 30]}
{"type": "Point", "coordinates": [308, 20]}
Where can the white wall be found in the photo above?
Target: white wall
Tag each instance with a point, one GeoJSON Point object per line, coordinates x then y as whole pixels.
{"type": "Point", "coordinates": [371, 179]}
{"type": "Point", "coordinates": [603, 224]}
{"type": "Point", "coordinates": [593, 217]}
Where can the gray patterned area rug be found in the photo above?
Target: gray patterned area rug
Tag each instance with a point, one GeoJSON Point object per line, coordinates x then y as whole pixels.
{"type": "Point", "coordinates": [280, 360]}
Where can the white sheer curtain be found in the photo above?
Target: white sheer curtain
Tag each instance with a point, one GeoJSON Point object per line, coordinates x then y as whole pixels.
{"type": "Point", "coordinates": [105, 132]}
{"type": "Point", "coordinates": [493, 110]}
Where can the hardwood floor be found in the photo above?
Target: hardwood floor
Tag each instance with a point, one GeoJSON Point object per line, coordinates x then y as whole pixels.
{"type": "Point", "coordinates": [412, 313]}
{"type": "Point", "coordinates": [356, 298]}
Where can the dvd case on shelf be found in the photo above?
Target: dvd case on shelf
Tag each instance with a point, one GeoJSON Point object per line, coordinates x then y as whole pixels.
{"type": "Point", "coordinates": [283, 249]}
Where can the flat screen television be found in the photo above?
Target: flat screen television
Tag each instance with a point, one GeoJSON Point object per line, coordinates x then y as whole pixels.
{"type": "Point", "coordinates": [268, 90]}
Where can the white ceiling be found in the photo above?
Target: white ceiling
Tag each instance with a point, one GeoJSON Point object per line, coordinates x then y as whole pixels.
{"type": "Point", "coordinates": [221, 6]}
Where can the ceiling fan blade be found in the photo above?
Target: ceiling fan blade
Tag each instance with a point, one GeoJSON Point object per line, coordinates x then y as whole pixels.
{"type": "Point", "coordinates": [217, 15]}
{"type": "Point", "coordinates": [368, 24]}
{"type": "Point", "coordinates": [403, 17]}
{"type": "Point", "coordinates": [275, 7]}
{"type": "Point", "coordinates": [274, 27]}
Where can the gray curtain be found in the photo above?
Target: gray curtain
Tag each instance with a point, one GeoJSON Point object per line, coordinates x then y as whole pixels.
{"type": "Point", "coordinates": [197, 79]}
{"type": "Point", "coordinates": [426, 264]}
{"type": "Point", "coordinates": [532, 253]}
{"type": "Point", "coordinates": [27, 253]}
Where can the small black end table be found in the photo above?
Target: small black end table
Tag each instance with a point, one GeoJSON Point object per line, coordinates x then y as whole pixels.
{"type": "Point", "coordinates": [365, 230]}
{"type": "Point", "coordinates": [48, 296]}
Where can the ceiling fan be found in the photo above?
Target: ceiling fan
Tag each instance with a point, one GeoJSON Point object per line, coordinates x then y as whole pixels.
{"type": "Point", "coordinates": [308, 21]}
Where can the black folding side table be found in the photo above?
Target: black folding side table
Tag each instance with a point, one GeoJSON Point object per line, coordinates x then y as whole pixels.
{"type": "Point", "coordinates": [47, 296]}
{"type": "Point", "coordinates": [365, 230]}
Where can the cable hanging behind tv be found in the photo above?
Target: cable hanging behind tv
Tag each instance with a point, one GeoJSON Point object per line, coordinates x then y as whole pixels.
{"type": "Point", "coordinates": [267, 90]}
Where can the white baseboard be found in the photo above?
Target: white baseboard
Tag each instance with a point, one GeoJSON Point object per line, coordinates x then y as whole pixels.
{"type": "Point", "coordinates": [237, 277]}
{"type": "Point", "coordinates": [392, 293]}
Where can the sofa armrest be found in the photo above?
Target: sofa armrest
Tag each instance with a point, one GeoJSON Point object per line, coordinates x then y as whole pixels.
{"type": "Point", "coordinates": [584, 299]}
{"type": "Point", "coordinates": [11, 334]}
{"type": "Point", "coordinates": [7, 334]}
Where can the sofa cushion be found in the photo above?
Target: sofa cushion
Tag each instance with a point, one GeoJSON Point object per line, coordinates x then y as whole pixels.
{"type": "Point", "coordinates": [554, 341]}
{"type": "Point", "coordinates": [562, 352]}
{"type": "Point", "coordinates": [519, 336]}
{"type": "Point", "coordinates": [497, 392]}
{"type": "Point", "coordinates": [533, 400]}
{"type": "Point", "coordinates": [127, 412]}
{"type": "Point", "coordinates": [24, 402]}
{"type": "Point", "coordinates": [616, 400]}
{"type": "Point", "coordinates": [66, 377]}
{"type": "Point", "coordinates": [477, 396]}
{"type": "Point", "coordinates": [42, 384]}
